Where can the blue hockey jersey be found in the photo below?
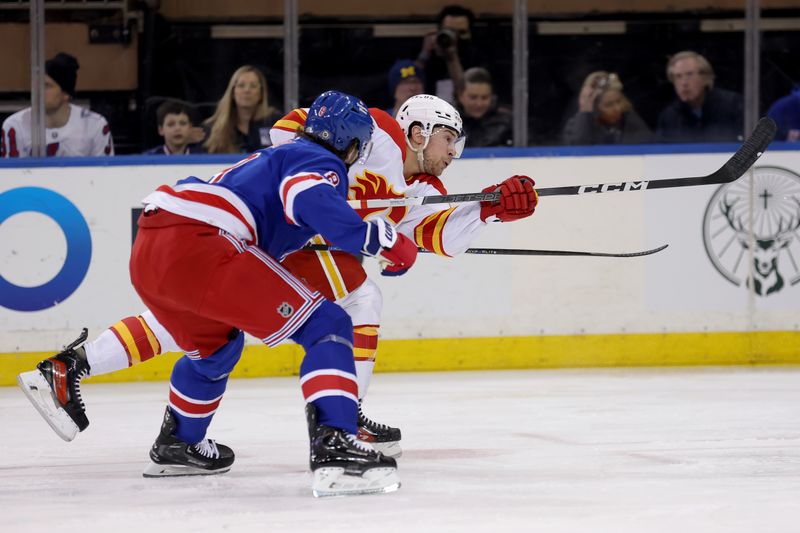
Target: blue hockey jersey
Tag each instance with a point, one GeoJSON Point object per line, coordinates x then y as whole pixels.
{"type": "Point", "coordinates": [276, 198]}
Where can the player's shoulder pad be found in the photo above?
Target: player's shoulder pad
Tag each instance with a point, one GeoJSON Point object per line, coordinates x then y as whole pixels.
{"type": "Point", "coordinates": [389, 125]}
{"type": "Point", "coordinates": [428, 179]}
{"type": "Point", "coordinates": [305, 156]}
{"type": "Point", "coordinates": [293, 120]}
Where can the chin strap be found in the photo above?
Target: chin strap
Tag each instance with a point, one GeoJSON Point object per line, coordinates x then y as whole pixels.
{"type": "Point", "coordinates": [420, 152]}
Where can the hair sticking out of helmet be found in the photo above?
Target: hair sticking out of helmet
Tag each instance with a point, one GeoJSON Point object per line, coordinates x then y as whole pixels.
{"type": "Point", "coordinates": [428, 112]}
{"type": "Point", "coordinates": [337, 119]}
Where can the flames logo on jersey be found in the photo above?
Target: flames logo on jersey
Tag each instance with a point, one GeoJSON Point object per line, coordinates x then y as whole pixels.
{"type": "Point", "coordinates": [371, 185]}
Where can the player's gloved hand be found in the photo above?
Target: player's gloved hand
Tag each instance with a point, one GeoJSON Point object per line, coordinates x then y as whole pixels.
{"type": "Point", "coordinates": [518, 200]}
{"type": "Point", "coordinates": [395, 251]}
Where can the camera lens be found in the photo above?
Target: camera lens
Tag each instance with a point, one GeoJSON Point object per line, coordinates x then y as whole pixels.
{"type": "Point", "coordinates": [444, 39]}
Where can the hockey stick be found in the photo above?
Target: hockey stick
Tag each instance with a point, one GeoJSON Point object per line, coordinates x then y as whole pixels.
{"type": "Point", "coordinates": [733, 169]}
{"type": "Point", "coordinates": [514, 251]}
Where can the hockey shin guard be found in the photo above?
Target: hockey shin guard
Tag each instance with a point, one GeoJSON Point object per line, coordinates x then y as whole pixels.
{"type": "Point", "coordinates": [327, 373]}
{"type": "Point", "coordinates": [197, 386]}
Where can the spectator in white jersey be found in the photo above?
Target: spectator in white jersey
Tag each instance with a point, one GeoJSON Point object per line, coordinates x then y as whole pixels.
{"type": "Point", "coordinates": [70, 130]}
{"type": "Point", "coordinates": [175, 124]}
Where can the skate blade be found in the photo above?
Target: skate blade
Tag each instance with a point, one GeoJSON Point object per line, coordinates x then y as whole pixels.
{"type": "Point", "coordinates": [332, 481]}
{"type": "Point", "coordinates": [38, 391]}
{"type": "Point", "coordinates": [157, 470]}
{"type": "Point", "coordinates": [389, 449]}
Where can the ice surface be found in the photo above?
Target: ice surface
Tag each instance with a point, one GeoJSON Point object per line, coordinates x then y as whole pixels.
{"type": "Point", "coordinates": [697, 450]}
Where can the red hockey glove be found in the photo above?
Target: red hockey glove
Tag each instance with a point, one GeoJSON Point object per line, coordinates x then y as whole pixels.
{"type": "Point", "coordinates": [399, 258]}
{"type": "Point", "coordinates": [395, 251]}
{"type": "Point", "coordinates": [518, 200]}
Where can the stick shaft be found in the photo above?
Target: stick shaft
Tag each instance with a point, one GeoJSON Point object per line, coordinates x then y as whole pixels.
{"type": "Point", "coordinates": [732, 170]}
{"type": "Point", "coordinates": [516, 251]}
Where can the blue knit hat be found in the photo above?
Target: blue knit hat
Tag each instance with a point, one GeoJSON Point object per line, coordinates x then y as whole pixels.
{"type": "Point", "coordinates": [403, 69]}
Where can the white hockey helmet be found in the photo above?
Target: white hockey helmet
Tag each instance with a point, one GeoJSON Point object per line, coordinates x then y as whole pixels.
{"type": "Point", "coordinates": [429, 111]}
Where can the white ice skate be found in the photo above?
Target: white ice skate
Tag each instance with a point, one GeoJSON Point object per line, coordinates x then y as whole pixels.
{"type": "Point", "coordinates": [333, 481]}
{"type": "Point", "coordinates": [171, 456]}
{"type": "Point", "coordinates": [54, 389]}
{"type": "Point", "coordinates": [41, 395]}
{"type": "Point", "coordinates": [343, 465]}
{"type": "Point", "coordinates": [384, 438]}
{"type": "Point", "coordinates": [389, 449]}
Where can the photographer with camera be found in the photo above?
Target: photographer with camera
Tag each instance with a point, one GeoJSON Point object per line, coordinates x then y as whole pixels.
{"type": "Point", "coordinates": [448, 51]}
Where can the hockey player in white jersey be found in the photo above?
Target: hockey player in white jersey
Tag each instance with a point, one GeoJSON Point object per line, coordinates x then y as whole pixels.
{"type": "Point", "coordinates": [70, 130]}
{"type": "Point", "coordinates": [429, 132]}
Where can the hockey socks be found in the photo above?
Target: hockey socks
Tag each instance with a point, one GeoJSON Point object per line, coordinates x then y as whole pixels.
{"type": "Point", "coordinates": [328, 380]}
{"type": "Point", "coordinates": [132, 340]}
{"type": "Point", "coordinates": [196, 388]}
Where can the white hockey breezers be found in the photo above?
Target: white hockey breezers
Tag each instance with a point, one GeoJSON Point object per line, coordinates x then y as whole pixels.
{"type": "Point", "coordinates": [333, 481]}
{"type": "Point", "coordinates": [39, 392]}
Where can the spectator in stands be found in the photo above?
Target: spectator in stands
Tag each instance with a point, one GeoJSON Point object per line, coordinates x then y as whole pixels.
{"type": "Point", "coordinates": [70, 130]}
{"type": "Point", "coordinates": [243, 117]}
{"type": "Point", "coordinates": [786, 114]}
{"type": "Point", "coordinates": [701, 112]}
{"type": "Point", "coordinates": [448, 51]}
{"type": "Point", "coordinates": [406, 79]}
{"type": "Point", "coordinates": [175, 125]}
{"type": "Point", "coordinates": [484, 123]}
{"type": "Point", "coordinates": [605, 115]}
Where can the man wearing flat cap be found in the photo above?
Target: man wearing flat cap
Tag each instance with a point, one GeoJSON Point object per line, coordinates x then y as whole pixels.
{"type": "Point", "coordinates": [70, 130]}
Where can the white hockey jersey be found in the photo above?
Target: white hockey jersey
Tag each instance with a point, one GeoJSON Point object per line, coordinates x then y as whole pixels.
{"type": "Point", "coordinates": [86, 133]}
{"type": "Point", "coordinates": [438, 228]}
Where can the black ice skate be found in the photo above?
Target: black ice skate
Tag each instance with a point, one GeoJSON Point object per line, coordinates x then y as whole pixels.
{"type": "Point", "coordinates": [383, 438]}
{"type": "Point", "coordinates": [173, 457]}
{"type": "Point", "coordinates": [54, 390]}
{"type": "Point", "coordinates": [342, 465]}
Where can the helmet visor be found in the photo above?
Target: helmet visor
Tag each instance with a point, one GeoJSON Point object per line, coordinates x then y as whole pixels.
{"type": "Point", "coordinates": [455, 141]}
{"type": "Point", "coordinates": [364, 152]}
{"type": "Point", "coordinates": [459, 145]}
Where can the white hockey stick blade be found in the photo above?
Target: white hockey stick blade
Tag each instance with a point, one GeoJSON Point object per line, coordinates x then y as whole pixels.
{"type": "Point", "coordinates": [389, 449]}
{"type": "Point", "coordinates": [38, 391]}
{"type": "Point", "coordinates": [163, 470]}
{"type": "Point", "coordinates": [332, 481]}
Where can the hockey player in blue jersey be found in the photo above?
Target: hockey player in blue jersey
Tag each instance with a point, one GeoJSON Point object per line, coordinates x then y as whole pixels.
{"type": "Point", "coordinates": [205, 262]}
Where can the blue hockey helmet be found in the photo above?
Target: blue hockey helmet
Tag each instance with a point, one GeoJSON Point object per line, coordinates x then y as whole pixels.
{"type": "Point", "coordinates": [337, 119]}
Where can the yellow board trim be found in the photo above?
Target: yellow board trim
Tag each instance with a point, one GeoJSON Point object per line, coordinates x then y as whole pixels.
{"type": "Point", "coordinates": [495, 353]}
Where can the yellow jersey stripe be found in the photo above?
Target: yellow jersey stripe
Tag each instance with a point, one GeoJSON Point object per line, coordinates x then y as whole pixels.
{"type": "Point", "coordinates": [151, 338]}
{"type": "Point", "coordinates": [437, 231]}
{"type": "Point", "coordinates": [289, 125]}
{"type": "Point", "coordinates": [127, 337]}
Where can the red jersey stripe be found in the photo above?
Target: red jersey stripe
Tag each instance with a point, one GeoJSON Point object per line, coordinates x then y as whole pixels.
{"type": "Point", "coordinates": [209, 199]}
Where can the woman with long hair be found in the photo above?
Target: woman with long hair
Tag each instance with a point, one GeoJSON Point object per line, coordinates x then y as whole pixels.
{"type": "Point", "coordinates": [243, 117]}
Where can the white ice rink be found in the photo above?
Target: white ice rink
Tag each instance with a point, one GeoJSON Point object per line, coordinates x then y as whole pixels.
{"type": "Point", "coordinates": [698, 450]}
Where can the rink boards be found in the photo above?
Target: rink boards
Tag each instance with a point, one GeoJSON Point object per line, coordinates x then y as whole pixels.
{"type": "Point", "coordinates": [66, 232]}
